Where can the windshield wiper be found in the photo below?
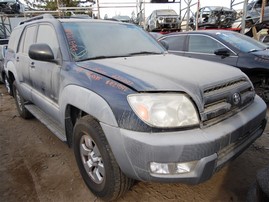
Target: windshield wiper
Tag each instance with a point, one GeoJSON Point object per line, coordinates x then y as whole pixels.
{"type": "Point", "coordinates": [117, 56]}
{"type": "Point", "coordinates": [253, 50]}
{"type": "Point", "coordinates": [144, 53]}
{"type": "Point", "coordinates": [98, 57]}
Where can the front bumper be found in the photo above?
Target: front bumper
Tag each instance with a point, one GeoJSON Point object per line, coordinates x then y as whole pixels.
{"type": "Point", "coordinates": [168, 26]}
{"type": "Point", "coordinates": [211, 147]}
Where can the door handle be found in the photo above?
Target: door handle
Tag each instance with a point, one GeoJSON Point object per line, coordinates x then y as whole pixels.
{"type": "Point", "coordinates": [17, 59]}
{"type": "Point", "coordinates": [32, 65]}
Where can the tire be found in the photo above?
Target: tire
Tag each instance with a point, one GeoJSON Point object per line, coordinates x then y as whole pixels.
{"type": "Point", "coordinates": [8, 85]}
{"type": "Point", "coordinates": [96, 162]}
{"type": "Point", "coordinates": [20, 103]}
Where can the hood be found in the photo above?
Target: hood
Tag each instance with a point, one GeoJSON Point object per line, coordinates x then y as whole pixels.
{"type": "Point", "coordinates": [262, 53]}
{"type": "Point", "coordinates": [164, 73]}
{"type": "Point", "coordinates": [168, 16]}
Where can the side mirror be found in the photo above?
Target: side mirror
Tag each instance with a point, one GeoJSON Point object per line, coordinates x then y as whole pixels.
{"type": "Point", "coordinates": [41, 52]}
{"type": "Point", "coordinates": [222, 52]}
{"type": "Point", "coordinates": [165, 44]}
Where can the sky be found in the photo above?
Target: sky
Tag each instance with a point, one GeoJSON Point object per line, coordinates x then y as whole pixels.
{"type": "Point", "coordinates": [149, 7]}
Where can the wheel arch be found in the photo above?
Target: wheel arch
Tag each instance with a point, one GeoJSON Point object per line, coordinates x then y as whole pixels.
{"type": "Point", "coordinates": [76, 102]}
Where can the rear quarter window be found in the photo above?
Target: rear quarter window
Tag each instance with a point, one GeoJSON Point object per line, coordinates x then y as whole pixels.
{"type": "Point", "coordinates": [14, 39]}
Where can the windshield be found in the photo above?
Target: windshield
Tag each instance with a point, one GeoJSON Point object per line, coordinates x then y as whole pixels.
{"type": "Point", "coordinates": [243, 43]}
{"type": "Point", "coordinates": [92, 40]}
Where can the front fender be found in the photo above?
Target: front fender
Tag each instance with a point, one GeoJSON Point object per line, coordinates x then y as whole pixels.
{"type": "Point", "coordinates": [87, 101]}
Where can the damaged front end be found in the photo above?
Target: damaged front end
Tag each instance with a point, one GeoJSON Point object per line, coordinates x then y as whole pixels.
{"type": "Point", "coordinates": [214, 17]}
{"type": "Point", "coordinates": [223, 18]}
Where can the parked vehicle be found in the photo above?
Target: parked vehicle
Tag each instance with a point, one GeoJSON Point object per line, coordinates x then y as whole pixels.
{"type": "Point", "coordinates": [254, 12]}
{"type": "Point", "coordinates": [228, 47]}
{"type": "Point", "coordinates": [122, 18]}
{"type": "Point", "coordinates": [214, 17]}
{"type": "Point", "coordinates": [163, 20]}
{"type": "Point", "coordinates": [130, 110]}
{"type": "Point", "coordinates": [10, 6]}
{"type": "Point", "coordinates": [3, 49]}
{"type": "Point", "coordinates": [264, 39]}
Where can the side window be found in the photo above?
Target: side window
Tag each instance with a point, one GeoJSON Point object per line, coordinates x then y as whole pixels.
{"type": "Point", "coordinates": [14, 39]}
{"type": "Point", "coordinates": [176, 43]}
{"type": "Point", "coordinates": [46, 34]}
{"type": "Point", "coordinates": [203, 44]}
{"type": "Point", "coordinates": [27, 39]}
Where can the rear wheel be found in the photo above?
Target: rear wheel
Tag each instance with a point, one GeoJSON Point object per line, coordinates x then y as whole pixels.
{"type": "Point", "coordinates": [96, 162]}
{"type": "Point", "coordinates": [20, 103]}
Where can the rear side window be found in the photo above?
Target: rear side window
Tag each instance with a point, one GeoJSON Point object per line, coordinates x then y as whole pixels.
{"type": "Point", "coordinates": [27, 39]}
{"type": "Point", "coordinates": [14, 39]}
{"type": "Point", "coordinates": [176, 43]}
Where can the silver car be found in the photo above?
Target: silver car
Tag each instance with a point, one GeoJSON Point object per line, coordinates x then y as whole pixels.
{"type": "Point", "coordinates": [163, 20]}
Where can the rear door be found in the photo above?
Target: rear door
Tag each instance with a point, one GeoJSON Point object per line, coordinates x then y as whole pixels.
{"type": "Point", "coordinates": [203, 47]}
{"type": "Point", "coordinates": [22, 60]}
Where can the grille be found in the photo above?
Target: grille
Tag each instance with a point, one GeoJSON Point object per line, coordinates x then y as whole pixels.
{"type": "Point", "coordinates": [170, 20]}
{"type": "Point", "coordinates": [221, 101]}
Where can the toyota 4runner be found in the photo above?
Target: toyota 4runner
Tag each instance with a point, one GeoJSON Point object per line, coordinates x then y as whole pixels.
{"type": "Point", "coordinates": [130, 110]}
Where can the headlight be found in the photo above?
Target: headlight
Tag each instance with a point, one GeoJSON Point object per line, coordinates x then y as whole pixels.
{"type": "Point", "coordinates": [222, 18]}
{"type": "Point", "coordinates": [164, 110]}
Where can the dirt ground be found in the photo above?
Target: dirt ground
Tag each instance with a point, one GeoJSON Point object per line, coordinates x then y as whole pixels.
{"type": "Point", "coordinates": [36, 166]}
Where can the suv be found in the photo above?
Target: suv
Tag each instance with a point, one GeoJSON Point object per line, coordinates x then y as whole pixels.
{"type": "Point", "coordinates": [130, 111]}
{"type": "Point", "coordinates": [163, 20]}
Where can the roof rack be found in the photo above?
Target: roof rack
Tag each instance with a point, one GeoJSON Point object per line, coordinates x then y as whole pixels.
{"type": "Point", "coordinates": [39, 17]}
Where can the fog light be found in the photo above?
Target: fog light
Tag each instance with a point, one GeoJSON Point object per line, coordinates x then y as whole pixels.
{"type": "Point", "coordinates": [172, 168]}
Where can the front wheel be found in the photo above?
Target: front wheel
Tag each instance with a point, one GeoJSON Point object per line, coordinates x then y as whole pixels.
{"type": "Point", "coordinates": [96, 162]}
{"type": "Point", "coordinates": [20, 103]}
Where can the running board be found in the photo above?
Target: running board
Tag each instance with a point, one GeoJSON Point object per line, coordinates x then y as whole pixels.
{"type": "Point", "coordinates": [47, 121]}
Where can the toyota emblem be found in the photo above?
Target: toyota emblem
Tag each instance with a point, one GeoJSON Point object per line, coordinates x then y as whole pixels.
{"type": "Point", "coordinates": [236, 98]}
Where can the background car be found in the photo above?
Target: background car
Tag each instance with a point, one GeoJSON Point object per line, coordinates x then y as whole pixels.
{"type": "Point", "coordinates": [214, 17]}
{"type": "Point", "coordinates": [3, 48]}
{"type": "Point", "coordinates": [227, 47]}
{"type": "Point", "coordinates": [254, 12]}
{"type": "Point", "coordinates": [122, 18]}
{"type": "Point", "coordinates": [163, 20]}
{"type": "Point", "coordinates": [265, 39]}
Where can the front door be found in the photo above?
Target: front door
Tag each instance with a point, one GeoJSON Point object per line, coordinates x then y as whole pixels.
{"type": "Point", "coordinates": [45, 76]}
{"type": "Point", "coordinates": [203, 47]}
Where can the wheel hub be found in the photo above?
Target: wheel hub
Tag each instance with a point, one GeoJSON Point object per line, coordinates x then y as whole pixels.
{"type": "Point", "coordinates": [92, 159]}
